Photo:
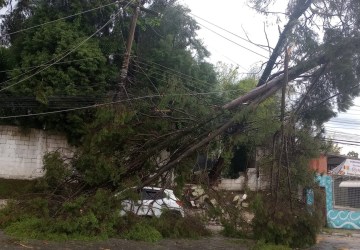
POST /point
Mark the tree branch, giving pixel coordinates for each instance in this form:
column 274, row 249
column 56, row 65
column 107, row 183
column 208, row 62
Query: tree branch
column 299, row 10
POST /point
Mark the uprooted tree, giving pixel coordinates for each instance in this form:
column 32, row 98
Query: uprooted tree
column 175, row 104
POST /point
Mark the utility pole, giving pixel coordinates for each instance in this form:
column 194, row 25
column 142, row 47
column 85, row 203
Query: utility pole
column 125, row 65
column 126, row 60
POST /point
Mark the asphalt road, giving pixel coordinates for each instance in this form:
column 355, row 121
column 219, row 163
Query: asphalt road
column 211, row 243
column 325, row 242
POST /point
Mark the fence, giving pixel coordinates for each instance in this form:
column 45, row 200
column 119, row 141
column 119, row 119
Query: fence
column 346, row 192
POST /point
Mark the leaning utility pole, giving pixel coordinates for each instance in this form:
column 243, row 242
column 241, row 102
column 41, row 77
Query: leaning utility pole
column 126, row 60
column 125, row 65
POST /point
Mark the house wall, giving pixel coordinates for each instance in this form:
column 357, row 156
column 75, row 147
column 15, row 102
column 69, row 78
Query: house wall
column 251, row 181
column 348, row 219
column 319, row 164
column 21, row 153
column 232, row 184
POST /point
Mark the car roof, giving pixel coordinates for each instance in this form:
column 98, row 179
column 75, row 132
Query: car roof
column 158, row 189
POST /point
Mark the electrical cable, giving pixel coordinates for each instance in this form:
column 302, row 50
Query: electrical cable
column 62, row 18
column 216, row 99
column 232, row 33
column 341, row 133
column 110, row 103
column 41, row 65
column 242, row 46
column 332, row 127
column 63, row 55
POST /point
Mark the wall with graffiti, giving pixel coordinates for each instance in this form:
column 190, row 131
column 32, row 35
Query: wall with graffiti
column 348, row 219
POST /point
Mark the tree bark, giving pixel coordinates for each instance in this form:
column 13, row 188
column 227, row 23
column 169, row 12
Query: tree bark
column 300, row 8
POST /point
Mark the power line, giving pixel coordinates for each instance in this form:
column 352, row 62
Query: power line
column 332, row 127
column 62, row 18
column 233, row 41
column 109, row 103
column 344, row 122
column 181, row 76
column 326, row 99
column 41, row 65
column 232, row 33
column 186, row 86
column 64, row 55
column 351, row 143
column 342, row 140
column 341, row 133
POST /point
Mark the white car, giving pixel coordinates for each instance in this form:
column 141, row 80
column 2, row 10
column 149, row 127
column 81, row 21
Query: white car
column 153, row 202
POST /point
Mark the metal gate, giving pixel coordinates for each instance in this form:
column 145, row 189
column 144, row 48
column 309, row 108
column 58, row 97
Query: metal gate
column 346, row 192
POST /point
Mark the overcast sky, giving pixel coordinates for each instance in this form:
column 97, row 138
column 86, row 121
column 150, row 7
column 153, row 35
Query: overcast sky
column 237, row 17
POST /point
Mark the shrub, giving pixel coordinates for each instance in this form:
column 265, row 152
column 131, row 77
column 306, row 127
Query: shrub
column 230, row 230
column 95, row 216
column 261, row 245
column 143, row 232
column 297, row 228
column 29, row 227
column 173, row 226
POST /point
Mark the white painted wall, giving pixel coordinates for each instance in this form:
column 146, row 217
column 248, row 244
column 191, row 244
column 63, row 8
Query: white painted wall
column 21, row 153
column 251, row 181
column 232, row 184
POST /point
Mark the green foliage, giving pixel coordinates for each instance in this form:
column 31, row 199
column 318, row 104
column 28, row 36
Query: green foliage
column 143, row 232
column 295, row 228
column 6, row 62
column 28, row 228
column 172, row 226
column 257, row 125
column 230, row 230
column 261, row 245
column 81, row 76
column 92, row 217
column 353, row 154
column 57, row 171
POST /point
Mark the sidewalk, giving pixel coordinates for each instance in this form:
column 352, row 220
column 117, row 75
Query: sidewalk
column 341, row 232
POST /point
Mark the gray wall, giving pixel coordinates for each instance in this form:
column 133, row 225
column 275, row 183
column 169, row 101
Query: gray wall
column 21, row 153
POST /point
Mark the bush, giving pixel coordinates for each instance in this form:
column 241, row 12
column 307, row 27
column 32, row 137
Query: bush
column 172, row 226
column 143, row 232
column 26, row 228
column 261, row 245
column 230, row 230
column 297, row 228
column 85, row 217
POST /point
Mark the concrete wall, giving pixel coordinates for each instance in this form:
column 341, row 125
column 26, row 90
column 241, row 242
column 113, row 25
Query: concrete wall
column 21, row 153
column 232, row 184
column 251, row 181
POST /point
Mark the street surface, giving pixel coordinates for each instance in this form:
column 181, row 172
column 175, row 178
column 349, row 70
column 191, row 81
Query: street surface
column 325, row 242
column 337, row 242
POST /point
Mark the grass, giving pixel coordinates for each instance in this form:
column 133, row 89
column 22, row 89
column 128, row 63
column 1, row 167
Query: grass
column 261, row 245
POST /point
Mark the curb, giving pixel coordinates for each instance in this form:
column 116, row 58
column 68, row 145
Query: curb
column 352, row 235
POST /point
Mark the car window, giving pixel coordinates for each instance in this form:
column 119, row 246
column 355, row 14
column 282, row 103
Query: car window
column 148, row 194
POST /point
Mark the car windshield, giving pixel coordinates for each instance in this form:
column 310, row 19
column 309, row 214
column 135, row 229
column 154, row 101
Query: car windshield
column 148, row 194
